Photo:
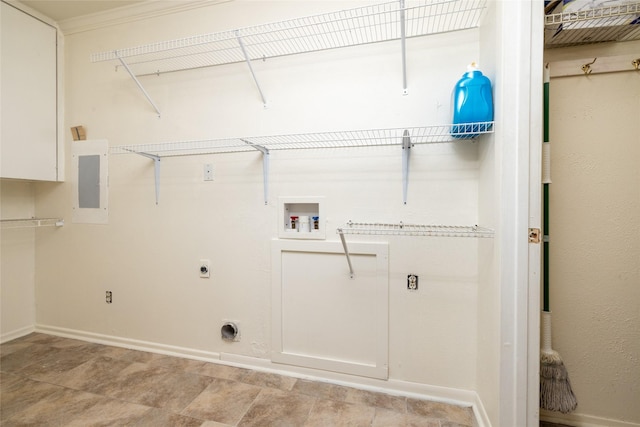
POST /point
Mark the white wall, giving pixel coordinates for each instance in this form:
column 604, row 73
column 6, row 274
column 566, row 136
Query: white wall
column 148, row 255
column 17, row 261
column 594, row 249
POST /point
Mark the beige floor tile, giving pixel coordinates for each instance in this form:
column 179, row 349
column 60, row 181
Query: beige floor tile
column 224, row 372
column 56, row 362
column 91, row 384
column 321, row 390
column 92, row 375
column 177, row 363
column 109, row 412
column 29, row 355
column 223, row 401
column 155, row 417
column 56, row 409
column 387, row 418
column 457, row 414
column 12, row 346
column 275, row 407
column 139, row 356
column 214, row 424
column 18, row 393
column 380, row 400
column 154, row 386
column 334, row 413
column 265, row 379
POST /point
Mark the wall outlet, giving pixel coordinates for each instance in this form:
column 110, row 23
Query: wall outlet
column 205, row 269
column 208, row 172
column 109, row 297
column 412, row 282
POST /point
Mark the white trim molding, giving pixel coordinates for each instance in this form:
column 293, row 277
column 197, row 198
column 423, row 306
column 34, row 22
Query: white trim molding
column 583, row 420
column 130, row 13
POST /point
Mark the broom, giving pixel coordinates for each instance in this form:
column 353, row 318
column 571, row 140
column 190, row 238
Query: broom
column 555, row 389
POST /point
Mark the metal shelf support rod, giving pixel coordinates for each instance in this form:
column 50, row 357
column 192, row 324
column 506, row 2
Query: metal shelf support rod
column 346, row 251
column 156, row 170
column 403, row 48
column 406, row 152
column 265, row 167
column 253, row 74
column 135, row 79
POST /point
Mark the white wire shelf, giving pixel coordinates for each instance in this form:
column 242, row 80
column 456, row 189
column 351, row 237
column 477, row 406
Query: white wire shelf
column 403, row 137
column 322, row 140
column 31, row 222
column 370, row 24
column 607, row 24
column 362, row 25
column 401, row 229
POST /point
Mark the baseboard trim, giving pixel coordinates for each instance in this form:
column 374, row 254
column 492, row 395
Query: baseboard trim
column 392, row 386
column 480, row 412
column 133, row 344
column 583, row 420
column 8, row 336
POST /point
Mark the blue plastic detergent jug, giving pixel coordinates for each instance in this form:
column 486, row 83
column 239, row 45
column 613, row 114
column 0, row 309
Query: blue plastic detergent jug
column 472, row 104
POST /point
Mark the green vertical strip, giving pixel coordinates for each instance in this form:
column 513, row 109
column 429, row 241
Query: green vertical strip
column 545, row 219
column 546, row 111
column 545, row 248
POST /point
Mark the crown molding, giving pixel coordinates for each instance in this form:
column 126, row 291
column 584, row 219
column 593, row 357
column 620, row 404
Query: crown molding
column 30, row 11
column 131, row 13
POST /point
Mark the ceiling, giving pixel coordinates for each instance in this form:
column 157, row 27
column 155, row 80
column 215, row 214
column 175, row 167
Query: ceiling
column 59, row 10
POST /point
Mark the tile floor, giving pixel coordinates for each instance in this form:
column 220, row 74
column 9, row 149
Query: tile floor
column 53, row 381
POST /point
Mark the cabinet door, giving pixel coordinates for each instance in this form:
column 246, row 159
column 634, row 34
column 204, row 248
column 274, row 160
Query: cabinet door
column 323, row 318
column 28, row 136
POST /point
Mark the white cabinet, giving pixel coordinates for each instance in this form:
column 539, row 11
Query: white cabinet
column 28, row 144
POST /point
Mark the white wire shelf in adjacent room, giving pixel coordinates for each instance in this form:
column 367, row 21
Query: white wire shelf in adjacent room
column 606, row 24
column 401, row 229
column 362, row 25
column 321, row 140
column 31, row 222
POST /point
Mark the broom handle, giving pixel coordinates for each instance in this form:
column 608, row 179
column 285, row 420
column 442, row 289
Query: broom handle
column 546, row 180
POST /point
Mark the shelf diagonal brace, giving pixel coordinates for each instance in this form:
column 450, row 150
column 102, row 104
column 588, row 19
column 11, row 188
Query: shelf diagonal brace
column 137, row 82
column 248, row 60
column 406, row 153
column 403, row 47
column 265, row 167
column 156, row 169
column 346, row 251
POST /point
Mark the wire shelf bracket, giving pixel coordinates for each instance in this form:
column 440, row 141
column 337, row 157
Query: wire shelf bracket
column 401, row 229
column 137, row 82
column 156, row 169
column 406, row 150
column 265, row 167
column 248, row 60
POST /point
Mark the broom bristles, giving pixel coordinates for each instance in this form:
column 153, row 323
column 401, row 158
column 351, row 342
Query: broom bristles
column 555, row 388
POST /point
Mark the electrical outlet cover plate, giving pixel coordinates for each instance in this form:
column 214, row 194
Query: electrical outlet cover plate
column 412, row 282
column 208, row 172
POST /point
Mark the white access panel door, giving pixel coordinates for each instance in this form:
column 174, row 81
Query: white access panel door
column 324, row 319
column 28, row 132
